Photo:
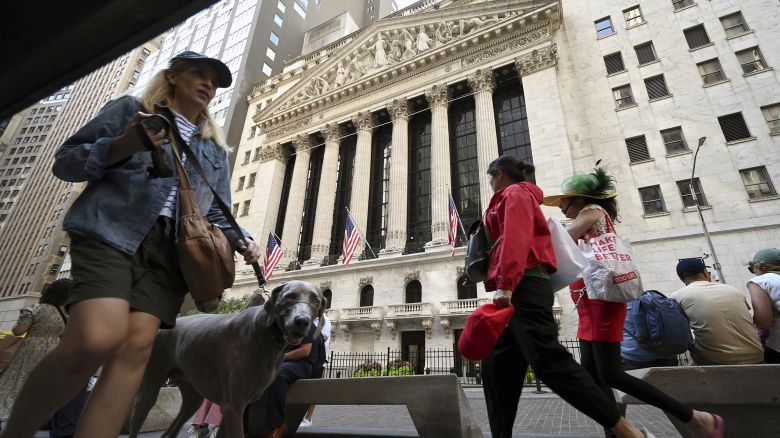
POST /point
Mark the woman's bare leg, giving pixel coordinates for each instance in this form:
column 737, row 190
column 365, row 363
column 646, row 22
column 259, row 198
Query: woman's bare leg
column 112, row 397
column 95, row 330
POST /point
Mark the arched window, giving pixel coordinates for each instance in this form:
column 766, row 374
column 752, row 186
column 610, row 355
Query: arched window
column 413, row 292
column 328, row 296
column 466, row 289
column 367, row 296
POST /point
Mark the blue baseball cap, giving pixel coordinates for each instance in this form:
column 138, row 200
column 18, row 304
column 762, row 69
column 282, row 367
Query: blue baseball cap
column 690, row 266
column 223, row 72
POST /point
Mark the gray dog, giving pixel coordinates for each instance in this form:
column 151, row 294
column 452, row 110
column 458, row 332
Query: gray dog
column 228, row 359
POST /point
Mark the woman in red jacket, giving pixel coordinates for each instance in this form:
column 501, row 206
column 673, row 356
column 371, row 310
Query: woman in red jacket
column 589, row 199
column 521, row 263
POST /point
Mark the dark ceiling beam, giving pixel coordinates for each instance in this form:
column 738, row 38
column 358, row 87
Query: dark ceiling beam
column 46, row 45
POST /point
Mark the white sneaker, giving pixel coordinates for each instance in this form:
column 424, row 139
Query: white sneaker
column 647, row 434
column 305, row 423
column 198, row 432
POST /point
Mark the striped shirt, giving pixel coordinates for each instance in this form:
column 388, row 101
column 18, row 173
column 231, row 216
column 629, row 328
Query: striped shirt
column 186, row 130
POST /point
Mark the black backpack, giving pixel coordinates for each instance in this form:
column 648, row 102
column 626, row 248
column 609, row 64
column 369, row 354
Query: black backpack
column 478, row 252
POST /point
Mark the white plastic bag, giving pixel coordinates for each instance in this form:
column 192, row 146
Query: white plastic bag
column 568, row 257
column 611, row 274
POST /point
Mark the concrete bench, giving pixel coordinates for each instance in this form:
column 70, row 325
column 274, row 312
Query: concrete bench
column 163, row 413
column 437, row 404
column 746, row 396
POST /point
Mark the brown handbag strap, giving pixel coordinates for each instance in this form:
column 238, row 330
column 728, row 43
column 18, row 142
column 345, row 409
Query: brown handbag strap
column 184, row 179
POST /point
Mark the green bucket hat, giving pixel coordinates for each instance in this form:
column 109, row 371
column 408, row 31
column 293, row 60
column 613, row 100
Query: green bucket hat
column 596, row 185
column 767, row 255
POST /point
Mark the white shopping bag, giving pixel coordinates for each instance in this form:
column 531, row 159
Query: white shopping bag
column 568, row 257
column 611, row 274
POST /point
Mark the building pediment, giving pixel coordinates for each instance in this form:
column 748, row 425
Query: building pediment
column 401, row 45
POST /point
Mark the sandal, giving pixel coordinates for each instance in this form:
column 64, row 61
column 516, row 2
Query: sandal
column 717, row 432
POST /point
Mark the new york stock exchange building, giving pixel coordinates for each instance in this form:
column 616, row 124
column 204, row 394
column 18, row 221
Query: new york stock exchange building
column 387, row 122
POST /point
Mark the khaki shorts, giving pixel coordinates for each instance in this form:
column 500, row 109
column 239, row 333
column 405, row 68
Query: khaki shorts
column 150, row 280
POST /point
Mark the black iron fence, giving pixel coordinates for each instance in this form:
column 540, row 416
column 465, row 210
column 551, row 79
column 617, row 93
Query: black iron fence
column 432, row 361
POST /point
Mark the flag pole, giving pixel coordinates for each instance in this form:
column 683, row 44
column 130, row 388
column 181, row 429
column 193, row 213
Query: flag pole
column 285, row 248
column 361, row 233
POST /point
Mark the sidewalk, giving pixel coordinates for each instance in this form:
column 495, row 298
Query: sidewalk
column 538, row 416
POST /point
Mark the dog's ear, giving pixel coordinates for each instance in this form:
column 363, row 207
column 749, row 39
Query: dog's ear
column 270, row 305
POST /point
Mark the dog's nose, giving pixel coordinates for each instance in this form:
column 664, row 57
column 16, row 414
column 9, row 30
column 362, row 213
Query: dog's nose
column 301, row 322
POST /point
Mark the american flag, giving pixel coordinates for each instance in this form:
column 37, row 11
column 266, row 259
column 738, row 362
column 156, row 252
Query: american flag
column 273, row 253
column 351, row 241
column 453, row 228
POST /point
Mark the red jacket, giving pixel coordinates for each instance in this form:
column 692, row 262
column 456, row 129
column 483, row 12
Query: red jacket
column 514, row 215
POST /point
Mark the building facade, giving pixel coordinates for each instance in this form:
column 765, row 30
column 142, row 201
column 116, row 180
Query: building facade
column 33, row 245
column 389, row 121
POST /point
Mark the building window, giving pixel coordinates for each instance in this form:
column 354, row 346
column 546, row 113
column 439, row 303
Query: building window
column 269, row 52
column 418, row 225
column 328, row 295
column 251, row 182
column 512, row 119
column 367, row 296
column 288, row 172
column 652, row 200
column 696, row 37
column 623, row 97
column 278, row 20
column 310, row 204
column 614, row 63
column 347, row 149
column 245, row 210
column 656, row 87
column 751, row 60
column 772, row 117
column 757, row 183
column 281, row 6
column 637, row 149
column 379, row 190
column 299, row 10
column 465, row 171
column 604, row 27
column 674, row 141
column 55, row 268
column 267, row 69
column 685, row 192
column 734, row 24
column 734, row 127
column 247, row 157
column 258, row 150
column 240, row 183
column 413, row 292
column 679, row 4
column 274, row 39
column 633, row 16
column 466, row 289
column 645, row 53
column 711, row 71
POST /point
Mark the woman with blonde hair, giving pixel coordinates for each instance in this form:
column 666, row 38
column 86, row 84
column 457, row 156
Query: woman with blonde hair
column 127, row 279
column 764, row 291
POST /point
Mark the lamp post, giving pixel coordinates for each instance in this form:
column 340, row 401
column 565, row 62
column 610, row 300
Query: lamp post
column 716, row 263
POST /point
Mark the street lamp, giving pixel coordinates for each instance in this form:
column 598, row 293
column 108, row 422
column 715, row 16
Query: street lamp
column 716, row 263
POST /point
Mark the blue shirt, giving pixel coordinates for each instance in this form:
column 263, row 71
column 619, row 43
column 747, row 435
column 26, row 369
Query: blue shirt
column 121, row 203
column 630, row 348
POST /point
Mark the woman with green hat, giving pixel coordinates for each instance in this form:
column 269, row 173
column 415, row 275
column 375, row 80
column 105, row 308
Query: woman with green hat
column 764, row 291
column 590, row 201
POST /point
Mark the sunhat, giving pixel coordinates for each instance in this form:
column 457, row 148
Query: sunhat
column 596, row 185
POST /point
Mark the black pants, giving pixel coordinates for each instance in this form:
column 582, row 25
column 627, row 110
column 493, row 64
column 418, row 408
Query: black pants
column 288, row 373
column 63, row 422
column 532, row 338
column 602, row 360
column 771, row 356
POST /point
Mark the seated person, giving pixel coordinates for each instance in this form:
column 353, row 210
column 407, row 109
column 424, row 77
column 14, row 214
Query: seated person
column 299, row 363
column 723, row 329
column 633, row 355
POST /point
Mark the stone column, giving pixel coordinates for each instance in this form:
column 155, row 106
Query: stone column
column 546, row 122
column 487, row 143
column 438, row 97
column 399, row 178
column 361, row 175
column 291, row 233
column 267, row 195
column 326, row 202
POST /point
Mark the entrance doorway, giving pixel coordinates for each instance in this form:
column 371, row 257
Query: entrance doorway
column 464, row 367
column 413, row 350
